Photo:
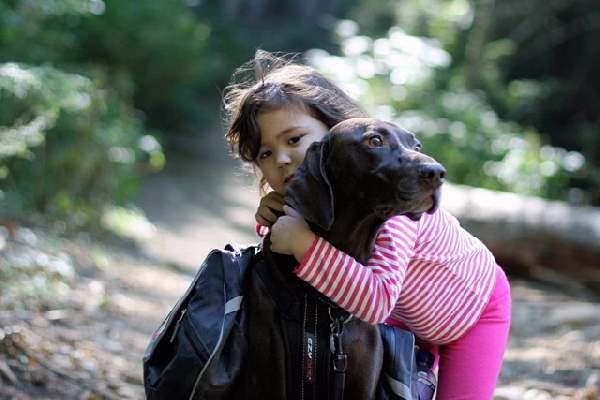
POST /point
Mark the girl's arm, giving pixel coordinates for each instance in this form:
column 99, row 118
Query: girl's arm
column 369, row 291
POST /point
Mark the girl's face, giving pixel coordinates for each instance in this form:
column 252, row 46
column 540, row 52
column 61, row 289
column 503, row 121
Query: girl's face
column 286, row 133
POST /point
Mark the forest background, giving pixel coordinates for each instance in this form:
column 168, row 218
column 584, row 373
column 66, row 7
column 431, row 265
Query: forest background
column 111, row 126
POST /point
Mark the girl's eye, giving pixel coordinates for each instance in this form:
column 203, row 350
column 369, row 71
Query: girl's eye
column 294, row 139
column 264, row 155
column 376, row 141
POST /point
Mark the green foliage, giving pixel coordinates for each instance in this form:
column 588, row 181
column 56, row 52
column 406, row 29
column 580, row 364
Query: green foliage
column 173, row 57
column 84, row 81
column 71, row 142
column 164, row 49
column 405, row 78
column 68, row 145
column 531, row 63
column 154, row 54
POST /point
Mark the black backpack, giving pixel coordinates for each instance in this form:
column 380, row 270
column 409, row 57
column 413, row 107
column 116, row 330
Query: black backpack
column 198, row 350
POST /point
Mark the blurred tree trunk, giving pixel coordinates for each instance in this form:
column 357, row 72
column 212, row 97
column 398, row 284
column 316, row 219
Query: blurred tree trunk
column 530, row 236
column 484, row 11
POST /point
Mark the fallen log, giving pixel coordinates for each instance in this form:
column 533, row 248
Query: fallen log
column 532, row 237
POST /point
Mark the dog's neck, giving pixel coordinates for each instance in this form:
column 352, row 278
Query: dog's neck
column 280, row 267
column 353, row 230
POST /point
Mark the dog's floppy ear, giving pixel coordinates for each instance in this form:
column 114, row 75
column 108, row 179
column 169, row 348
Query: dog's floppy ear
column 310, row 191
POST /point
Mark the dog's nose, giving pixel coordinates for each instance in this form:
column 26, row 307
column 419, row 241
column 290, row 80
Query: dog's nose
column 432, row 173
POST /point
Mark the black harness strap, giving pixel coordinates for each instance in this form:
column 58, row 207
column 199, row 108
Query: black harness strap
column 339, row 359
column 310, row 349
column 307, row 334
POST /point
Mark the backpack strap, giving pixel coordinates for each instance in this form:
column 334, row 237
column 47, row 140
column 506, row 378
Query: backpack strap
column 289, row 305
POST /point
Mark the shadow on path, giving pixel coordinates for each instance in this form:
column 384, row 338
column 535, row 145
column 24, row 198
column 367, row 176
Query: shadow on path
column 198, row 203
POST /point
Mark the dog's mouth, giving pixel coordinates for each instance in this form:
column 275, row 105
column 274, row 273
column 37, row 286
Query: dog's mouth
column 427, row 204
column 435, row 201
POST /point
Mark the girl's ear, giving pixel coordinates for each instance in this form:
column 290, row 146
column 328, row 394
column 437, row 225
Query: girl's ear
column 310, row 191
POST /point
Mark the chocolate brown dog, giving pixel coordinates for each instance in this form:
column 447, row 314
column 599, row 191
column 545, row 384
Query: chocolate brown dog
column 363, row 172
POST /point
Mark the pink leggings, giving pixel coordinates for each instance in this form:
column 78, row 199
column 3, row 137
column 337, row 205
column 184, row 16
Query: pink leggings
column 469, row 366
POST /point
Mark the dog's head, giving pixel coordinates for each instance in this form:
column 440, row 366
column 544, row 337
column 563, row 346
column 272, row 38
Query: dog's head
column 374, row 164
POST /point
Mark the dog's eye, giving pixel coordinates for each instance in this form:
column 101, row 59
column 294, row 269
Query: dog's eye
column 375, row 141
column 418, row 147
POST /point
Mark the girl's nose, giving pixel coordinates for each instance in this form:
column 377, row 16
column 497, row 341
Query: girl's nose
column 283, row 158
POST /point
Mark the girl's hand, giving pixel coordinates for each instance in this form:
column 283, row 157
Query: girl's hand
column 291, row 234
column 269, row 209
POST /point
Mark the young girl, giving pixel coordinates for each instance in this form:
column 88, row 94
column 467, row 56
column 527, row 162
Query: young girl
column 429, row 276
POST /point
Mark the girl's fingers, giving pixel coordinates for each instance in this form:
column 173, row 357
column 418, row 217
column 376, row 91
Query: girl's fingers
column 277, row 196
column 270, row 209
column 267, row 215
column 273, row 203
column 276, row 209
column 261, row 221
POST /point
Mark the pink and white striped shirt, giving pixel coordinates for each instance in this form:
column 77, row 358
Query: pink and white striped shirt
column 430, row 275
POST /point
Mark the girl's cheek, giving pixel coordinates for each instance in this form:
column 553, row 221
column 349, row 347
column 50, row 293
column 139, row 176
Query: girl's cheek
column 301, row 153
column 271, row 180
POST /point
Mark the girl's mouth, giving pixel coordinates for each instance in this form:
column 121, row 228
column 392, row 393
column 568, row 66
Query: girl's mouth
column 288, row 178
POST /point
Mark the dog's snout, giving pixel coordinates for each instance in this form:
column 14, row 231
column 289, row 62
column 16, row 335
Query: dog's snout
column 432, row 173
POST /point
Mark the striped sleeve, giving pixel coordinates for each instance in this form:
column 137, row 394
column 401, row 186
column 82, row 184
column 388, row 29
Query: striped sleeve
column 370, row 291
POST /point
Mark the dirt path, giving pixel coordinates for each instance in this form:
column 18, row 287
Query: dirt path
column 90, row 350
column 198, row 204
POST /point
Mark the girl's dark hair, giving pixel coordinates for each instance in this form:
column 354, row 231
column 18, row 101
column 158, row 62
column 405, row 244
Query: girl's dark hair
column 278, row 81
